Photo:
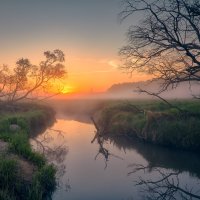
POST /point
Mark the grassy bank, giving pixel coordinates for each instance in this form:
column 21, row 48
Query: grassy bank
column 154, row 122
column 24, row 173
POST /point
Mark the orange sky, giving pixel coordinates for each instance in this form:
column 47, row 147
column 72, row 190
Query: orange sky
column 88, row 32
column 86, row 73
column 96, row 74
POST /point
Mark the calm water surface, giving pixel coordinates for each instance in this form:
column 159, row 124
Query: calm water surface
column 86, row 175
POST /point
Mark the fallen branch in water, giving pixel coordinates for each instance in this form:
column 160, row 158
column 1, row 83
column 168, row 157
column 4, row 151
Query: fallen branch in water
column 97, row 128
column 97, row 134
column 100, row 140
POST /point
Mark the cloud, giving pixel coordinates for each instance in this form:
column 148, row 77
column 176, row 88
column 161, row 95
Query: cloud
column 109, row 66
column 114, row 64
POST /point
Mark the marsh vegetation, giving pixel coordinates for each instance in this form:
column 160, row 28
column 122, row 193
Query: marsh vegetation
column 25, row 174
column 176, row 126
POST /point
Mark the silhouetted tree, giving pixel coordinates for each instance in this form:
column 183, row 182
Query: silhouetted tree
column 165, row 42
column 22, row 81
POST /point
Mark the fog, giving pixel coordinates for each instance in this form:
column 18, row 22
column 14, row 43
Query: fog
column 79, row 109
column 82, row 107
column 130, row 90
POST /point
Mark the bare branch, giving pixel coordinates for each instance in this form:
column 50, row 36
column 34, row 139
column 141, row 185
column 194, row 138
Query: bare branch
column 166, row 43
column 26, row 79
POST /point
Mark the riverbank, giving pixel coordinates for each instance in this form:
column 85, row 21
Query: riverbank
column 24, row 173
column 154, row 122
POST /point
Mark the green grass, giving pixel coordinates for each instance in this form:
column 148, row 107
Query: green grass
column 9, row 182
column 19, row 141
column 173, row 129
column 8, row 171
column 43, row 183
column 19, row 144
column 182, row 133
column 11, row 185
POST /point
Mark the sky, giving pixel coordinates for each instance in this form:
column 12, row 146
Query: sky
column 87, row 31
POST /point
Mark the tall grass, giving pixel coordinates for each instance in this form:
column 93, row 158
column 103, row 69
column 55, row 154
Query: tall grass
column 176, row 131
column 12, row 186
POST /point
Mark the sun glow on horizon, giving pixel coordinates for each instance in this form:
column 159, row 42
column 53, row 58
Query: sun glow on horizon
column 67, row 89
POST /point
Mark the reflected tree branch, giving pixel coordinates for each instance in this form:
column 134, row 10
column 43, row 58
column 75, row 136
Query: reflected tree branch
column 166, row 187
column 55, row 154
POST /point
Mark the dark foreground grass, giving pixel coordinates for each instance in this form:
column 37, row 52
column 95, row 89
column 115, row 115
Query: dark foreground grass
column 167, row 127
column 12, row 184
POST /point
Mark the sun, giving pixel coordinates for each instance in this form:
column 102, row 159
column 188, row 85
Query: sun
column 67, row 89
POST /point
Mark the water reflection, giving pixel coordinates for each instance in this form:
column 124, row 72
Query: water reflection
column 161, row 165
column 166, row 185
column 53, row 146
column 99, row 170
column 157, row 156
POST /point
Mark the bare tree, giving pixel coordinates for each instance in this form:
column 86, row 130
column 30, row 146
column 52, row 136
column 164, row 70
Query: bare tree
column 166, row 41
column 25, row 79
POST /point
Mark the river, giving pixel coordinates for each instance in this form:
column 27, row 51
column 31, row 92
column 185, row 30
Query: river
column 85, row 173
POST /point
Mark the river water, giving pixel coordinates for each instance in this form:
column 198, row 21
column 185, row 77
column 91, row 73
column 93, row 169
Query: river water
column 85, row 173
